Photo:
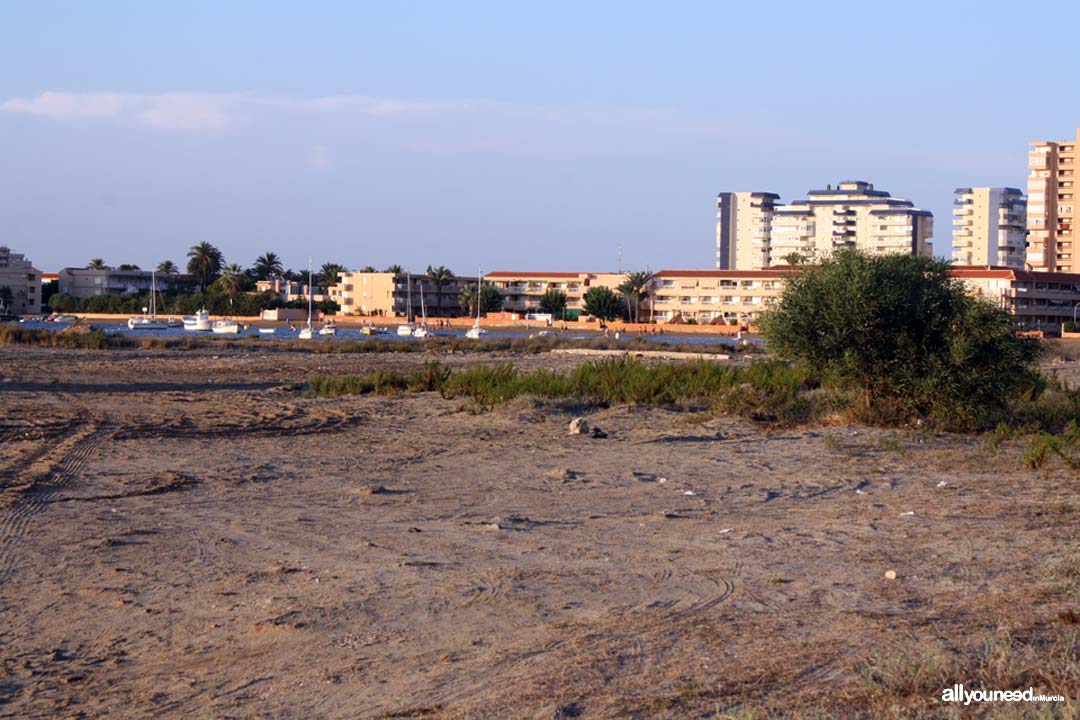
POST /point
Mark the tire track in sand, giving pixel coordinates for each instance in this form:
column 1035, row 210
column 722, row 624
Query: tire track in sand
column 18, row 515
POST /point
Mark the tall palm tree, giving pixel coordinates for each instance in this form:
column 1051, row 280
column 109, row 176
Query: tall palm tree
column 267, row 266
column 231, row 278
column 395, row 269
column 633, row 289
column 97, row 264
column 440, row 277
column 128, row 266
column 329, row 274
column 168, row 267
column 204, row 263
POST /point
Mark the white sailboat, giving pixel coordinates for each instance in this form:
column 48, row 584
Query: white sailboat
column 199, row 322
column 476, row 332
column 306, row 332
column 406, row 329
column 421, row 330
column 149, row 322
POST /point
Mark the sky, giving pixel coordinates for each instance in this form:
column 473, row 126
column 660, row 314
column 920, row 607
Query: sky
column 503, row 135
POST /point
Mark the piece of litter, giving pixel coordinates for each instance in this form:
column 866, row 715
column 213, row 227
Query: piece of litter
column 890, row 574
column 943, row 483
column 909, row 512
column 726, row 530
column 662, row 480
column 860, row 492
column 689, row 492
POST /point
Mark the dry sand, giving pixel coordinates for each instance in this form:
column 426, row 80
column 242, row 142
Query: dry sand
column 184, row 535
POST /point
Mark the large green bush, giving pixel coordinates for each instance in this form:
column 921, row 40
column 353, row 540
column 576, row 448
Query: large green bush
column 907, row 336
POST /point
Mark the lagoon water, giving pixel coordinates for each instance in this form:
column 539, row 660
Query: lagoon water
column 282, row 332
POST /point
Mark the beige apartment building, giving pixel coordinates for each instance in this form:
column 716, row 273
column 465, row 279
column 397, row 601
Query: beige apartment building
column 1036, row 300
column 1051, row 211
column 20, row 284
column 989, row 227
column 743, row 229
column 386, row 294
column 522, row 291
column 852, row 215
column 714, row 296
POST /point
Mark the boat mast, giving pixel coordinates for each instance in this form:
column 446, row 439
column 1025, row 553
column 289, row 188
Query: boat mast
column 479, row 285
column 309, row 288
column 153, row 294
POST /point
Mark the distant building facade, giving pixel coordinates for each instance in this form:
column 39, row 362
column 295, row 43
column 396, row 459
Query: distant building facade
column 522, row 291
column 714, row 296
column 87, row 282
column 744, row 229
column 990, row 227
column 755, row 231
column 387, row 294
column 21, row 281
column 1051, row 207
column 290, row 290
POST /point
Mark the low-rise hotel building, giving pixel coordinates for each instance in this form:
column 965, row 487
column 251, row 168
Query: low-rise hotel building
column 20, row 283
column 386, row 294
column 989, row 227
column 87, row 282
column 1036, row 300
column 522, row 291
column 714, row 296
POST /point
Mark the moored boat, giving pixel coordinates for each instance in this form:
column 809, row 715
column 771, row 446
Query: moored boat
column 199, row 322
column 226, row 327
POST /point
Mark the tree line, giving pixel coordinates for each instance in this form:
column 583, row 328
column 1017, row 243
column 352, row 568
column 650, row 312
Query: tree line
column 228, row 286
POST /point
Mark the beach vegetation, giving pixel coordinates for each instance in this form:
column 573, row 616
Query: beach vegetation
column 909, row 338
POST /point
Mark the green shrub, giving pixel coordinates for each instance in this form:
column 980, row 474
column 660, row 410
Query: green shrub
column 907, row 336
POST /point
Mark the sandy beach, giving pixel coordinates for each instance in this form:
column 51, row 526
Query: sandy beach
column 186, row 534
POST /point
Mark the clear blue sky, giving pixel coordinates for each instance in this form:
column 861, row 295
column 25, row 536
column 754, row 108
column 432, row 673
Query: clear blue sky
column 495, row 133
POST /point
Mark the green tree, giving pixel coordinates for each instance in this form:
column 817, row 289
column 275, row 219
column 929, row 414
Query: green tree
column 554, row 302
column 904, row 334
column 204, row 263
column 329, row 274
column 97, row 264
column 634, row 290
column 794, row 258
column 267, row 265
column 232, row 278
column 168, row 267
column 602, row 302
column 367, row 269
column 128, row 266
column 395, row 269
column 491, row 299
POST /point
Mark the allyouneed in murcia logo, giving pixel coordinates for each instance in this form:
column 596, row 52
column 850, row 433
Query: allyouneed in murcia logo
column 959, row 694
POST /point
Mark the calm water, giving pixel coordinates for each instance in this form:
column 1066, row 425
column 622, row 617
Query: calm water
column 354, row 334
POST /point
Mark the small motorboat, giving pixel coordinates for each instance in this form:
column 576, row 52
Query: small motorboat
column 199, row 322
column 547, row 333
column 406, row 330
column 475, row 332
column 420, row 332
column 146, row 323
column 328, row 329
column 226, row 327
column 267, row 331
